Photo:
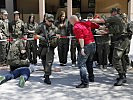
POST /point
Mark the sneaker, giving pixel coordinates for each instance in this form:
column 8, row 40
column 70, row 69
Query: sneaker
column 82, row 85
column 21, row 82
column 62, row 64
column 73, row 65
column 2, row 78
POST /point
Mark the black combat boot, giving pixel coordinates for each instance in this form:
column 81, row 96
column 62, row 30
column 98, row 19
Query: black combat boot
column 47, row 80
column 124, row 76
column 120, row 80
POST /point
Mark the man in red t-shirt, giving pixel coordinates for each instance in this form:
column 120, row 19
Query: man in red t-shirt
column 83, row 34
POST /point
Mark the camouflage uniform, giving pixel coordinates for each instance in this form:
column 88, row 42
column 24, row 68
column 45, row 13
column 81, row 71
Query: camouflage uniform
column 15, row 57
column 17, row 29
column 46, row 49
column 4, row 35
column 121, row 42
column 31, row 46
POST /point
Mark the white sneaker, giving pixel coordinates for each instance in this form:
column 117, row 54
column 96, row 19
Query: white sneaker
column 73, row 65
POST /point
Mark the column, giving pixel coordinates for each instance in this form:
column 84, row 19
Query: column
column 9, row 8
column 130, row 10
column 41, row 9
column 69, row 8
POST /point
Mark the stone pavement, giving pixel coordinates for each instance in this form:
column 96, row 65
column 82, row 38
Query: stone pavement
column 63, row 86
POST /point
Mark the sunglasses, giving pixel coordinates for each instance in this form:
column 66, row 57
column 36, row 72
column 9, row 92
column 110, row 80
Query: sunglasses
column 50, row 21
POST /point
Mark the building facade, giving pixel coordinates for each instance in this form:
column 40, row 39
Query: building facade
column 39, row 7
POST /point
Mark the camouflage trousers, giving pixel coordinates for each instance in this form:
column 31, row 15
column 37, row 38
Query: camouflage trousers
column 3, row 52
column 47, row 57
column 120, row 55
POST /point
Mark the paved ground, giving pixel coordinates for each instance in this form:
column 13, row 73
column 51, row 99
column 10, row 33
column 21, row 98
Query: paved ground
column 63, row 86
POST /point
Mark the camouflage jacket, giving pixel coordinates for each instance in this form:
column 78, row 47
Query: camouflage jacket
column 46, row 33
column 4, row 29
column 15, row 57
column 16, row 29
column 116, row 26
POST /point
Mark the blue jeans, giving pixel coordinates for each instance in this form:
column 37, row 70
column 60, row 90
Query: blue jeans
column 89, row 51
column 23, row 71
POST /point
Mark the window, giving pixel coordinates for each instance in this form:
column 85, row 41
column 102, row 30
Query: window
column 62, row 3
column 2, row 4
column 91, row 5
column 75, row 3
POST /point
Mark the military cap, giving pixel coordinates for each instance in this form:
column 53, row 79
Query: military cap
column 5, row 13
column 16, row 12
column 3, row 10
column 50, row 17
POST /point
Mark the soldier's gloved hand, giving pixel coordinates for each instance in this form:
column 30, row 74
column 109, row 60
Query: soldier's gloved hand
column 23, row 51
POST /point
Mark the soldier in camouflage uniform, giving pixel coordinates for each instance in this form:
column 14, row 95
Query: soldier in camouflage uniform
column 118, row 27
column 47, row 32
column 17, row 55
column 31, row 45
column 16, row 29
column 121, row 44
column 4, row 34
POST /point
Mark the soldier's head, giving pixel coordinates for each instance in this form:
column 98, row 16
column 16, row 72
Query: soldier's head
column 78, row 15
column 114, row 11
column 16, row 15
column 73, row 19
column 31, row 18
column 90, row 16
column 4, row 14
column 49, row 19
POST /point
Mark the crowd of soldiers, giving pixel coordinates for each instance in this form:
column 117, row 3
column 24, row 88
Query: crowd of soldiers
column 112, row 43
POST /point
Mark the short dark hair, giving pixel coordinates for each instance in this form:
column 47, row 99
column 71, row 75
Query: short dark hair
column 90, row 15
column 78, row 15
column 118, row 10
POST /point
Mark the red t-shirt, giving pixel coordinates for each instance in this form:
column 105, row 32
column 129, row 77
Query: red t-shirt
column 82, row 30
